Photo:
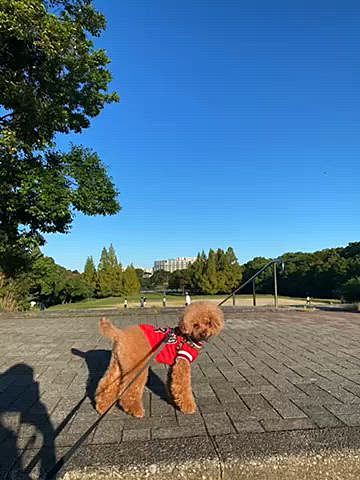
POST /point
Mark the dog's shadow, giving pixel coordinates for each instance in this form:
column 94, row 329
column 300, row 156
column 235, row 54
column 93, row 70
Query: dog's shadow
column 97, row 362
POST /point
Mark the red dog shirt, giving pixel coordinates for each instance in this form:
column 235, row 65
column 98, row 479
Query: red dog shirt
column 175, row 346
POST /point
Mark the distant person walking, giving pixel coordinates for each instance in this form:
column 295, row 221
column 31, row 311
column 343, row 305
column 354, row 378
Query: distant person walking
column 164, row 301
column 187, row 299
column 142, row 302
column 125, row 303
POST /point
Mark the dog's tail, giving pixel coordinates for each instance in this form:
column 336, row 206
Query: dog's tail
column 107, row 329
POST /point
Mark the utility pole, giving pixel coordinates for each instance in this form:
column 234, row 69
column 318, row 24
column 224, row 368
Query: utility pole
column 254, row 293
column 275, row 287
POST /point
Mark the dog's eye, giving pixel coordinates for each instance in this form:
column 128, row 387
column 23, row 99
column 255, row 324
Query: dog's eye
column 196, row 325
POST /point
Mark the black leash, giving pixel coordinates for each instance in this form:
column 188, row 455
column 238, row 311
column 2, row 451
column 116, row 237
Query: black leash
column 58, row 430
column 63, row 460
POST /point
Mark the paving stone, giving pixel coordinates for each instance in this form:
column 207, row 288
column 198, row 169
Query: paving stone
column 190, row 431
column 255, row 402
column 140, row 434
column 189, row 420
column 218, row 423
column 352, row 420
column 268, row 371
column 315, row 410
column 326, row 420
column 288, row 424
column 345, row 409
column 250, row 426
column 161, row 408
column 284, row 407
column 108, row 432
column 131, row 423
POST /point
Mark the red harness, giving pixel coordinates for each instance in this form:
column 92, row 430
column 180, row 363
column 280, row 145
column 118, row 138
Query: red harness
column 175, row 347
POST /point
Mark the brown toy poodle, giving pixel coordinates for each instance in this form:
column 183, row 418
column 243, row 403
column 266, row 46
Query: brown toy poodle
column 133, row 347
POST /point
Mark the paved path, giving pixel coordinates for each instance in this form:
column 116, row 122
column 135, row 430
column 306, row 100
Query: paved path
column 288, row 379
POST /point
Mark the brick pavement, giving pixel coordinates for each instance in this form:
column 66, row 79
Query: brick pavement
column 268, row 372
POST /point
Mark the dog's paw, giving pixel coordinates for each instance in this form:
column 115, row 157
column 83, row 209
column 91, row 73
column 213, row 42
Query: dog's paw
column 135, row 411
column 101, row 406
column 188, row 407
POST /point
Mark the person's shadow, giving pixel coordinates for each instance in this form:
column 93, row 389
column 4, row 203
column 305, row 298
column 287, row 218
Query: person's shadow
column 97, row 362
column 20, row 406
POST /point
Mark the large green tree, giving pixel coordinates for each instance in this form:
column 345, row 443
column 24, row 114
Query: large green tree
column 109, row 273
column 197, row 272
column 159, row 280
column 90, row 274
column 49, row 283
column 52, row 80
column 130, row 281
column 180, row 280
column 210, row 282
column 104, row 275
column 229, row 272
column 351, row 290
column 116, row 272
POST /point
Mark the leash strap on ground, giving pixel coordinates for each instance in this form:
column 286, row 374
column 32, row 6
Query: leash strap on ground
column 58, row 430
column 62, row 461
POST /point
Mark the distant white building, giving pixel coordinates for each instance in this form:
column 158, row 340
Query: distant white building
column 172, row 264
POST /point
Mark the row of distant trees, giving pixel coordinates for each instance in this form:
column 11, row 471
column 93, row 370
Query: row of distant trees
column 329, row 273
column 109, row 278
column 48, row 283
column 217, row 272
column 44, row 282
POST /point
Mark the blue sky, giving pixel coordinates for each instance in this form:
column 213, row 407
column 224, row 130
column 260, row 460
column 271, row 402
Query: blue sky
column 239, row 125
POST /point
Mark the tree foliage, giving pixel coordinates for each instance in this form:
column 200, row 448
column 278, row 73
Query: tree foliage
column 219, row 272
column 47, row 284
column 180, row 280
column 111, row 279
column 51, row 284
column 109, row 274
column 52, row 80
column 320, row 274
column 130, row 281
column 351, row 290
column 159, row 280
column 90, row 274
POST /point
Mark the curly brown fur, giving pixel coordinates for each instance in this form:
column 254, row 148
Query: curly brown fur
column 131, row 351
column 200, row 321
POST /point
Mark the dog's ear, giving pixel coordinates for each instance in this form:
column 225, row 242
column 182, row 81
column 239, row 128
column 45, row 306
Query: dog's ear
column 183, row 323
column 217, row 317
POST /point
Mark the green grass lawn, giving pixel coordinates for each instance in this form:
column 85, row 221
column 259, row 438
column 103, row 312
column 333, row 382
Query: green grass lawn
column 155, row 300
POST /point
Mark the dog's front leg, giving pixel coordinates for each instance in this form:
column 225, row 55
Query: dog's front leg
column 180, row 386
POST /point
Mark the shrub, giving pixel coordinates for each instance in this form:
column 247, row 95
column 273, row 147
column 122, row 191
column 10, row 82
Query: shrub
column 11, row 299
column 351, row 290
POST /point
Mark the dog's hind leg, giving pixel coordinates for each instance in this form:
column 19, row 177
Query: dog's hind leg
column 131, row 399
column 180, row 386
column 108, row 388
